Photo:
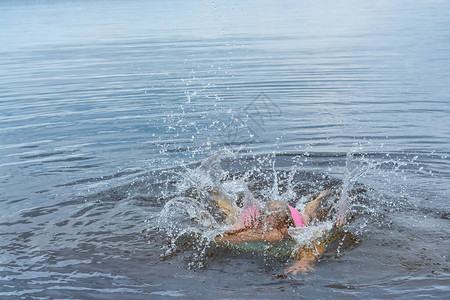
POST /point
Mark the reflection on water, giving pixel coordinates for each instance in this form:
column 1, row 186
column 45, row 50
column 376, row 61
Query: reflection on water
column 105, row 104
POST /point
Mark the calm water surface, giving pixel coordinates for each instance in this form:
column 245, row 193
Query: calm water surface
column 103, row 102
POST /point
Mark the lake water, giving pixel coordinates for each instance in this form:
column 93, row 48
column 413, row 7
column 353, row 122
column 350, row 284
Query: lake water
column 104, row 104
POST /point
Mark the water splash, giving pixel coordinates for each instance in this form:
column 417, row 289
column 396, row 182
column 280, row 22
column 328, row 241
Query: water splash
column 357, row 165
column 350, row 176
column 191, row 220
column 193, row 215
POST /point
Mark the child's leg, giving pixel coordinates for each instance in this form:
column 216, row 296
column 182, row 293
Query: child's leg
column 224, row 204
column 311, row 207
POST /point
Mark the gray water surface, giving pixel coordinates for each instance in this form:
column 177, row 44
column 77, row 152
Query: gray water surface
column 103, row 102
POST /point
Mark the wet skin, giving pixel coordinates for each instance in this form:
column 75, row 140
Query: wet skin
column 278, row 231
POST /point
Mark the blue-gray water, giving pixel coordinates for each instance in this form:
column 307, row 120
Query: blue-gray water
column 102, row 102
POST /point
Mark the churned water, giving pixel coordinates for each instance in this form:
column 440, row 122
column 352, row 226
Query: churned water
column 107, row 108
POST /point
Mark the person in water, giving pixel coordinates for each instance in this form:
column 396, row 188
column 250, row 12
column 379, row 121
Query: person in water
column 271, row 223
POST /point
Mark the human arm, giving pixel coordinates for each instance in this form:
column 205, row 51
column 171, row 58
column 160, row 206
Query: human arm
column 251, row 235
column 305, row 257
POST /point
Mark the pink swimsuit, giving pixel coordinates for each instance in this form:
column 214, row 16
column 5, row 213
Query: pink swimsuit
column 296, row 216
column 250, row 214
